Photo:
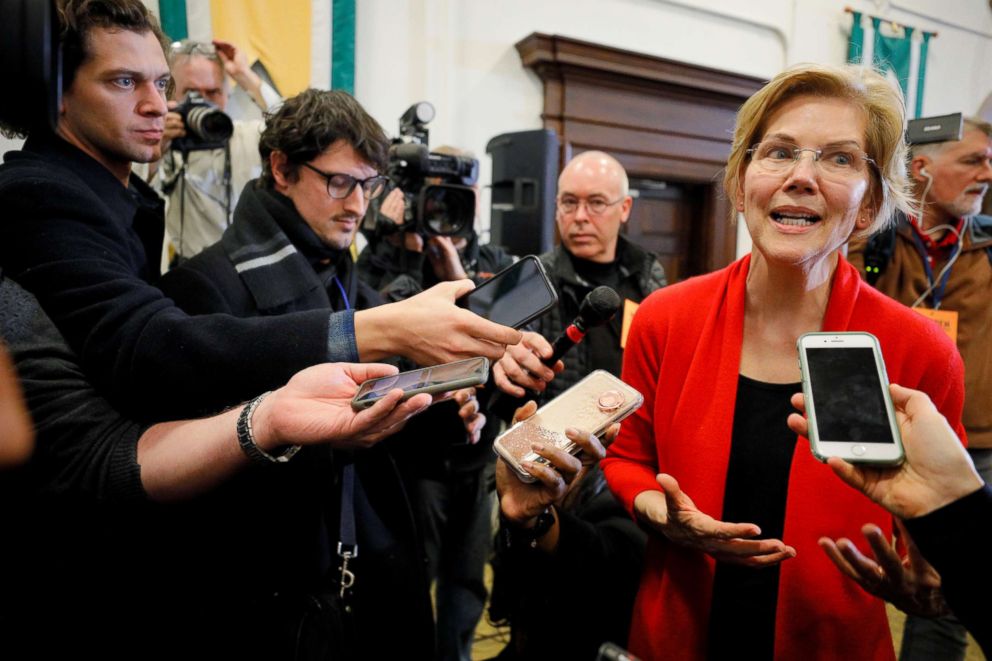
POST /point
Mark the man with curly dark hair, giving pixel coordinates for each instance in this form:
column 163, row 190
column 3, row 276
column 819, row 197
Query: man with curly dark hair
column 287, row 251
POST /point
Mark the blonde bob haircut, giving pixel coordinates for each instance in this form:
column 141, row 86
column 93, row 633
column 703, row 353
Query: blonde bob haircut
column 864, row 87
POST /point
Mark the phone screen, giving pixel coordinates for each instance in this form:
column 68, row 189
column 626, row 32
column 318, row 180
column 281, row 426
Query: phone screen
column 514, row 296
column 847, row 395
column 422, row 378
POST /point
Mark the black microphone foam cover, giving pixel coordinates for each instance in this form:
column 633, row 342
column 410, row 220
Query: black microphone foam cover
column 598, row 307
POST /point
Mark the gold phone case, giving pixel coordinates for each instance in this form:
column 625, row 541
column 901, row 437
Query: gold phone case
column 592, row 404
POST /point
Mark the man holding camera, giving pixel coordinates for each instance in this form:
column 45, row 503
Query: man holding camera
column 941, row 265
column 207, row 157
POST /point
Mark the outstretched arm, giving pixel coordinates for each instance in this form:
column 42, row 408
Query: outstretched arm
column 430, row 329
column 180, row 460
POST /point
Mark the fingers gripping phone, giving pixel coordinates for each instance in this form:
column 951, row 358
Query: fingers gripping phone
column 514, row 296
column 848, row 407
column 439, row 378
column 593, row 405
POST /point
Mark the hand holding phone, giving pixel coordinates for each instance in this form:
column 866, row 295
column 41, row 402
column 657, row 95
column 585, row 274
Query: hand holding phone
column 514, row 296
column 520, row 502
column 437, row 379
column 846, row 393
column 592, row 405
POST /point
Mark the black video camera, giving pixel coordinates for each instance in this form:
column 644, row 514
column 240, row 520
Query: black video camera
column 440, row 198
column 207, row 126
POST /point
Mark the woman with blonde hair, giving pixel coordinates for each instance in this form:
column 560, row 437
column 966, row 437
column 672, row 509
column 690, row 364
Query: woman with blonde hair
column 735, row 502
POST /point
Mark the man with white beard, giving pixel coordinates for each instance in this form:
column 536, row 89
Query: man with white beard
column 941, row 265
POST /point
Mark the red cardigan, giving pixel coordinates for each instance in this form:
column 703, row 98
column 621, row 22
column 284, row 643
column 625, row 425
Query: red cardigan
column 683, row 354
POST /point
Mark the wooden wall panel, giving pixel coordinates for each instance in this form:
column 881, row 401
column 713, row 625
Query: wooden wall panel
column 666, row 121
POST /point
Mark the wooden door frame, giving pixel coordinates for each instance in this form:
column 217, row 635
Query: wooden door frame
column 689, row 142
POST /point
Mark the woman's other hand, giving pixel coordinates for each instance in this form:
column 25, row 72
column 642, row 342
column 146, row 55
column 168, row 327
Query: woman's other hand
column 672, row 513
column 909, row 583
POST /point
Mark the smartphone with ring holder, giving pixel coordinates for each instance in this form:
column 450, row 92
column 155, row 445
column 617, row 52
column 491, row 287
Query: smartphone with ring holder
column 592, row 405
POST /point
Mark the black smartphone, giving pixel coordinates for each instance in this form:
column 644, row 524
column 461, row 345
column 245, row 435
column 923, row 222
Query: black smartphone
column 516, row 295
column 439, row 378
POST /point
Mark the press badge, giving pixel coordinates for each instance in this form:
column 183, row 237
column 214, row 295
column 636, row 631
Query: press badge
column 629, row 308
column 946, row 319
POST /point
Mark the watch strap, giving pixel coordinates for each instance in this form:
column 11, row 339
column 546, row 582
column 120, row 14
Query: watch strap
column 515, row 536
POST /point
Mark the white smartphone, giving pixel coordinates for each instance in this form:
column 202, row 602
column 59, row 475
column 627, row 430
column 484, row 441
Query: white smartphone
column 592, row 405
column 439, row 378
column 848, row 407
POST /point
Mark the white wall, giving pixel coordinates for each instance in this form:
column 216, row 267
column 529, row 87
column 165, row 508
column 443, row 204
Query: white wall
column 459, row 54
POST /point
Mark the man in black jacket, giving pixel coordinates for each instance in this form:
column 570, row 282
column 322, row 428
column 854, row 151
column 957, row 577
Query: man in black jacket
column 593, row 204
column 287, row 251
column 84, row 235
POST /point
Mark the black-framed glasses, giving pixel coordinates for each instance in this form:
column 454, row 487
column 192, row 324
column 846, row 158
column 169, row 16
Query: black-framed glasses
column 340, row 185
column 595, row 206
column 842, row 160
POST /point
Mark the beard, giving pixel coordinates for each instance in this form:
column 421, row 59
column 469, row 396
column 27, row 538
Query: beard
column 966, row 203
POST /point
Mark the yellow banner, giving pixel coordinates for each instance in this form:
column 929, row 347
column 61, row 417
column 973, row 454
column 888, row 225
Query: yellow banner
column 277, row 33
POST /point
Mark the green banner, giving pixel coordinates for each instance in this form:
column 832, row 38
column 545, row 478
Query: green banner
column 173, row 16
column 343, row 46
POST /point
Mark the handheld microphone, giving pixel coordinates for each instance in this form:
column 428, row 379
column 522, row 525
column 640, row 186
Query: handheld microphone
column 597, row 308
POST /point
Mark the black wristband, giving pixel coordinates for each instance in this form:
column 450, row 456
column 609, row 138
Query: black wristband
column 514, row 536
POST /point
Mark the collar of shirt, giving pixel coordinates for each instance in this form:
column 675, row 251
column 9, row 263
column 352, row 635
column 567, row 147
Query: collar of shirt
column 124, row 202
column 936, row 247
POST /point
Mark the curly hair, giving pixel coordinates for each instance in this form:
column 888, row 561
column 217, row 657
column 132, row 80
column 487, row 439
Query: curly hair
column 310, row 122
column 882, row 104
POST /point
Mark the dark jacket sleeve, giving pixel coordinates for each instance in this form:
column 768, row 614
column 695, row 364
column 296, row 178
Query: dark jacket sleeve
column 149, row 357
column 955, row 540
column 83, row 446
column 591, row 578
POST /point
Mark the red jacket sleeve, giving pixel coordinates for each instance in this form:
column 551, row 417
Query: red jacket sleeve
column 632, row 460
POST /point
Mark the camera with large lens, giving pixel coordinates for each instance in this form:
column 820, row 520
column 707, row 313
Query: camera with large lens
column 207, row 126
column 440, row 198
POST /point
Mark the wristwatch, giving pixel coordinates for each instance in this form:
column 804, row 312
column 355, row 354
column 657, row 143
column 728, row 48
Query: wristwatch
column 514, row 536
column 246, row 439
